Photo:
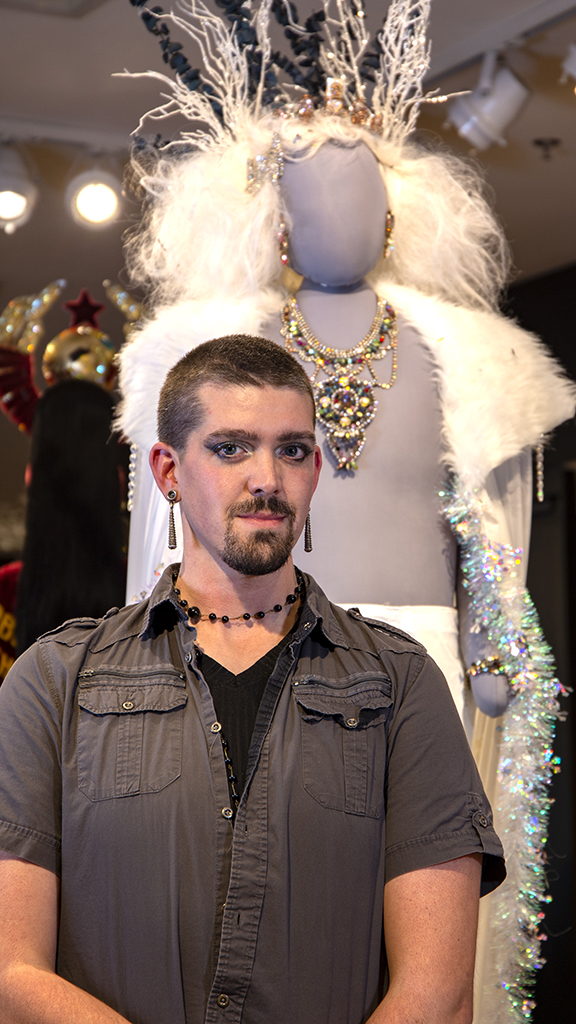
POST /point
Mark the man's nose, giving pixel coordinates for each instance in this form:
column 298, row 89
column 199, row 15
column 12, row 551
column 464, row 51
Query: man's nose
column 264, row 476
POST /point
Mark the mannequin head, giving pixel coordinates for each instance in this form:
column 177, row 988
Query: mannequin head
column 204, row 236
column 336, row 208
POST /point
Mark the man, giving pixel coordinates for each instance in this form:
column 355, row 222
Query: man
column 206, row 799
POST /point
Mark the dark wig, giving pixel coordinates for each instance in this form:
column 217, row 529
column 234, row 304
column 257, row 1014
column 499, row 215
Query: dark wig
column 73, row 559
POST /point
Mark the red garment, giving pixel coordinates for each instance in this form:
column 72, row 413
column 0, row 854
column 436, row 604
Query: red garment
column 9, row 575
column 18, row 395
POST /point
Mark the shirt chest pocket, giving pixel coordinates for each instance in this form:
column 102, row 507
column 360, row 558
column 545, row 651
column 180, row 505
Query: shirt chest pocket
column 130, row 728
column 344, row 740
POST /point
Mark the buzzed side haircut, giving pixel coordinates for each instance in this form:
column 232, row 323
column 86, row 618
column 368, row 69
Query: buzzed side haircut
column 237, row 360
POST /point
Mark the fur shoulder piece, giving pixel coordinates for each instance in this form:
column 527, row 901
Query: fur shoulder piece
column 500, row 387
column 156, row 348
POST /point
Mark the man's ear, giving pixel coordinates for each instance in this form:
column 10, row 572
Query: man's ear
column 317, row 465
column 164, row 463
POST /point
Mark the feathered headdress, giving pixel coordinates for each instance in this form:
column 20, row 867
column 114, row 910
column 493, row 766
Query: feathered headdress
column 332, row 68
column 250, row 106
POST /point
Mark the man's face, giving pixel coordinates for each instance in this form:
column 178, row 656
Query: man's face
column 247, row 477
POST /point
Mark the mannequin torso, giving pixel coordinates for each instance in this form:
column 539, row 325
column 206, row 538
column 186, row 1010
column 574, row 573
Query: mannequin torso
column 377, row 533
column 389, row 506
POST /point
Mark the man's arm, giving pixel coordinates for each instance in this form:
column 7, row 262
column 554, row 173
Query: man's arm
column 430, row 922
column 30, row 991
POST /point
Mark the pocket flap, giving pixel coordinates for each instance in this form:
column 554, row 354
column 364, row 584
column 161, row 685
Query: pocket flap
column 353, row 703
column 128, row 698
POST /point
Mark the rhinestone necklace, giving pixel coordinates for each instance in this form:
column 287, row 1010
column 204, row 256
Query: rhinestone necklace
column 345, row 405
column 195, row 615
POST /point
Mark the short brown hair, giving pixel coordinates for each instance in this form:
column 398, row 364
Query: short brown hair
column 237, row 360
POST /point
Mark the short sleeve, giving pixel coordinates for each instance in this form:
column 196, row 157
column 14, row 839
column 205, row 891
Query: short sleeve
column 30, row 763
column 436, row 808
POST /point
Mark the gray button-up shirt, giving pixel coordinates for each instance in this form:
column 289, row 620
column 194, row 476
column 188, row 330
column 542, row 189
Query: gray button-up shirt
column 112, row 775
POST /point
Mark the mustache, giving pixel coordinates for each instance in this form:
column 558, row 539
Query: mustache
column 272, row 504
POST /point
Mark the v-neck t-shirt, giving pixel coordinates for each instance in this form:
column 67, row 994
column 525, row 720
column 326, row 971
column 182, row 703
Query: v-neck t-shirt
column 236, row 701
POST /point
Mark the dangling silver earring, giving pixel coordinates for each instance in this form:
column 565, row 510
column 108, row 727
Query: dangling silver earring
column 172, row 498
column 308, row 534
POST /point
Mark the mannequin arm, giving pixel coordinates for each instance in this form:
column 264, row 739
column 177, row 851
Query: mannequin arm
column 491, row 689
column 507, row 503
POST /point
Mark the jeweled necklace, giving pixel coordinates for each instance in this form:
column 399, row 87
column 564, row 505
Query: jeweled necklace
column 195, row 615
column 344, row 405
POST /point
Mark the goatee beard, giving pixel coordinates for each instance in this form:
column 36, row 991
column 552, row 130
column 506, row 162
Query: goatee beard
column 265, row 551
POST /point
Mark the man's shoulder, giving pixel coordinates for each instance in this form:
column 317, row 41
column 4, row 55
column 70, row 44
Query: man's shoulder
column 349, row 627
column 115, row 625
column 378, row 633
column 386, row 634
column 133, row 621
column 347, row 643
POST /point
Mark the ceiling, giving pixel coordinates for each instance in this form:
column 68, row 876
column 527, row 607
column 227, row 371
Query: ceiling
column 57, row 84
column 534, row 196
column 69, row 8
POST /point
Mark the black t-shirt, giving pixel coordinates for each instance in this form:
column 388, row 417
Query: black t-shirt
column 236, row 702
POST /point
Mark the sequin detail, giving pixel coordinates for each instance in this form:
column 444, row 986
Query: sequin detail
column 503, row 607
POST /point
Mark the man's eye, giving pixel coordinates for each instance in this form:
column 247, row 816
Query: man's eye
column 296, row 452
column 228, row 449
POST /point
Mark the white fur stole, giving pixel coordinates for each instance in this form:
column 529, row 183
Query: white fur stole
column 500, row 388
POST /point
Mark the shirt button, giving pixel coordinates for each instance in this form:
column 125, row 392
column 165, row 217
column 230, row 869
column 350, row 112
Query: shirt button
column 482, row 820
column 227, row 812
column 351, row 723
column 307, row 625
column 128, row 705
column 223, row 1000
column 215, row 727
column 188, row 658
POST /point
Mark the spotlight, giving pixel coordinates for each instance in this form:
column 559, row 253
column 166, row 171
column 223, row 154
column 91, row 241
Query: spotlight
column 18, row 194
column 482, row 116
column 94, row 198
column 569, row 64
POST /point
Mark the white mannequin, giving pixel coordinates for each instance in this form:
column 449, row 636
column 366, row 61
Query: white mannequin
column 378, row 533
column 379, row 538
column 473, row 395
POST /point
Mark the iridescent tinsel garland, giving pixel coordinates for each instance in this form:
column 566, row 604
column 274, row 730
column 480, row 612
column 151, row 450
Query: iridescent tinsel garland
column 503, row 607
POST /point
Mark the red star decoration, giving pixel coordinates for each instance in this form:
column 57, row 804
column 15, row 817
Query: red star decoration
column 83, row 310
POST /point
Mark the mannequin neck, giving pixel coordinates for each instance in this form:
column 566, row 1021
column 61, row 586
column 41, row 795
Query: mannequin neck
column 338, row 315
column 308, row 285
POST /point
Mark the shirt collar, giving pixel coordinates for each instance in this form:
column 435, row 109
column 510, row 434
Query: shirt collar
column 317, row 609
column 317, row 613
column 160, row 601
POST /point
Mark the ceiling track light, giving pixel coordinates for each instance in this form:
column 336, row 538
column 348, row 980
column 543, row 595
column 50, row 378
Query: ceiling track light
column 547, row 146
column 93, row 198
column 482, row 116
column 18, row 194
column 569, row 64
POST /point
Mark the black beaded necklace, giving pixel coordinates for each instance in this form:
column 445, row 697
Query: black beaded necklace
column 195, row 615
